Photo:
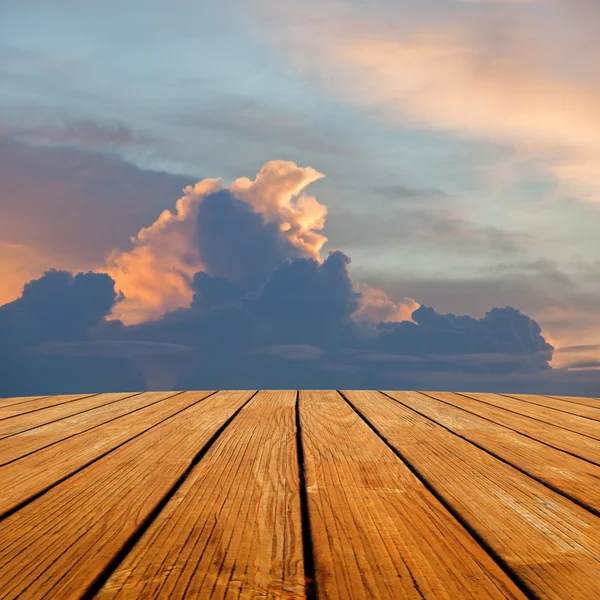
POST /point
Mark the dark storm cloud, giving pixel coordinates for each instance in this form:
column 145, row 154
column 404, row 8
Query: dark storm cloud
column 501, row 332
column 297, row 331
column 260, row 317
column 237, row 243
column 59, row 307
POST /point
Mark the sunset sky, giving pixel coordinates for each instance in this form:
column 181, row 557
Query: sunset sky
column 449, row 148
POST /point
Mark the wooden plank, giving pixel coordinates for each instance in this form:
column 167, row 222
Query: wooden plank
column 19, row 400
column 39, row 403
column 573, row 443
column 558, row 404
column 24, row 443
column 576, row 478
column 547, row 415
column 57, row 545
column 377, row 531
column 593, row 402
column 552, row 544
column 233, row 529
column 46, row 467
column 51, row 414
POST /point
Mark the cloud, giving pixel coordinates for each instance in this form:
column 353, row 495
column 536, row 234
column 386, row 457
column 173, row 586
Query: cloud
column 435, row 230
column 239, row 297
column 497, row 73
column 504, row 339
column 56, row 312
column 70, row 207
column 582, row 348
column 307, row 301
column 292, row 352
column 75, row 133
column 377, row 306
column 242, row 232
column 59, row 307
column 109, row 349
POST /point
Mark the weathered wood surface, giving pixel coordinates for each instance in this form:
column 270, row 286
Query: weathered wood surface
column 34, row 404
column 378, row 532
column 571, row 476
column 552, row 435
column 375, row 495
column 569, row 422
column 581, row 409
column 233, row 536
column 550, row 543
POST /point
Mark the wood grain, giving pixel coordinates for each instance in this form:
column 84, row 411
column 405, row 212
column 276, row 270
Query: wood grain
column 19, row 400
column 51, row 464
column 573, row 443
column 573, row 408
column 574, row 477
column 9, row 411
column 235, row 536
column 28, row 421
column 21, row 444
column 198, row 495
column 551, row 544
column 593, row 402
column 57, row 545
column 564, row 420
column 378, row 532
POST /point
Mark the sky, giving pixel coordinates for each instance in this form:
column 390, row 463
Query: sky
column 301, row 194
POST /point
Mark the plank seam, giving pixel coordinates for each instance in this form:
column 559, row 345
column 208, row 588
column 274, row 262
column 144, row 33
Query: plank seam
column 551, row 487
column 28, row 412
column 81, row 412
column 310, row 587
column 573, row 400
column 566, row 412
column 514, row 412
column 89, row 429
column 511, row 428
column 502, row 564
column 37, row 495
column 114, row 563
column 22, row 401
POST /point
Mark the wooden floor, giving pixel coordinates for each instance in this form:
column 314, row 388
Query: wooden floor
column 311, row 494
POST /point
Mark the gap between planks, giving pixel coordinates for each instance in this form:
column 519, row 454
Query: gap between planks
column 550, row 543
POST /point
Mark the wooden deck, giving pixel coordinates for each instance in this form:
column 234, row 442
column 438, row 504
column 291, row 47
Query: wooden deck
column 311, row 494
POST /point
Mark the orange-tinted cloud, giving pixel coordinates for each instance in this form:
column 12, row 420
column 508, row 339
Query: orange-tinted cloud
column 155, row 275
column 488, row 76
column 67, row 208
column 377, row 305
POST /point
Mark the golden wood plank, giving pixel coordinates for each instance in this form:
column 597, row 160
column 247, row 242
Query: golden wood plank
column 547, row 415
column 233, row 528
column 57, row 545
column 51, row 464
column 4, row 402
column 576, row 478
column 38, row 403
column 377, row 531
column 573, row 408
column 25, row 422
column 573, row 443
column 26, row 442
column 552, row 544
column 593, row 402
